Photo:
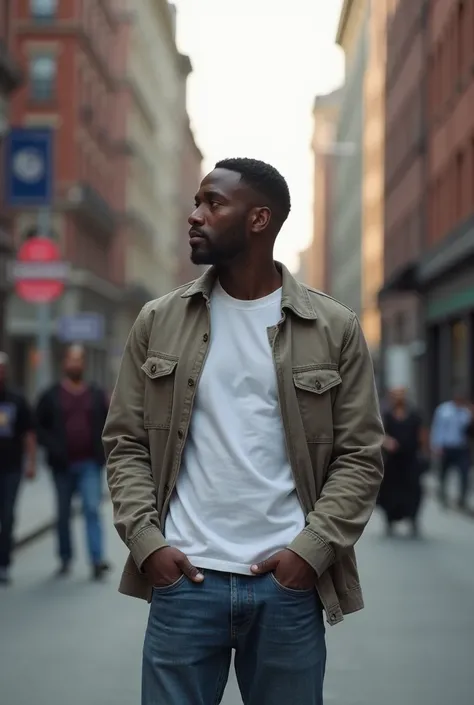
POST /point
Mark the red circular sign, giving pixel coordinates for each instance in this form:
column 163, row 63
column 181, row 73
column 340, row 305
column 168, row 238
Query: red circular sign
column 39, row 271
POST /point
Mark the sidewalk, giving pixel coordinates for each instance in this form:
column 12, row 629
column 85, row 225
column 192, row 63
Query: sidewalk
column 35, row 513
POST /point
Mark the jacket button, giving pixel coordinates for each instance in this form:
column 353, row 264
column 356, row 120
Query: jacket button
column 190, row 382
column 333, row 617
column 205, row 337
column 153, row 369
column 180, row 434
column 317, row 384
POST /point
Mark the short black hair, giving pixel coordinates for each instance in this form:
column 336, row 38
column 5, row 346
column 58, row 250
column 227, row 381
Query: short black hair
column 264, row 178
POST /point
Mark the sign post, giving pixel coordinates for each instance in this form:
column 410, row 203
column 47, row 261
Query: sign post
column 29, row 182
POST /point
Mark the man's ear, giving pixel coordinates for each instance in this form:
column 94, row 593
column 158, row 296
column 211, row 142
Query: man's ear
column 260, row 218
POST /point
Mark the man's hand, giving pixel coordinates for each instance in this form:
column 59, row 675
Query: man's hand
column 30, row 470
column 289, row 570
column 165, row 566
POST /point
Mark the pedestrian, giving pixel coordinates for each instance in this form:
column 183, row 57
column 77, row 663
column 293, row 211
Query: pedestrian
column 401, row 491
column 70, row 417
column 244, row 459
column 17, row 459
column 450, row 443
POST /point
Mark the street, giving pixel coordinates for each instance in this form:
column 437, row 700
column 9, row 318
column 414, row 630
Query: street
column 75, row 642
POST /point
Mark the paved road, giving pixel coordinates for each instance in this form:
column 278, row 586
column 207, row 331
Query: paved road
column 75, row 642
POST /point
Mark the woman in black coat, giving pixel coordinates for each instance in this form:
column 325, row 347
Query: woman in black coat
column 401, row 491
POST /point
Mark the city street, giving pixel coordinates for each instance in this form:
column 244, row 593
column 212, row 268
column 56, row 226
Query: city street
column 74, row 642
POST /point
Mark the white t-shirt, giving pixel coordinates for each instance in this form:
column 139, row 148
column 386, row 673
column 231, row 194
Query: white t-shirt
column 235, row 501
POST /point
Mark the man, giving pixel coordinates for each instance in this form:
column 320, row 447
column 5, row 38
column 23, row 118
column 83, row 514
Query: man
column 17, row 457
column 450, row 443
column 244, row 459
column 71, row 418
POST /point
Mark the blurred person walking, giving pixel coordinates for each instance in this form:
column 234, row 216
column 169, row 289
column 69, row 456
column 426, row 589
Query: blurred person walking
column 70, row 417
column 404, row 462
column 244, row 459
column 450, row 443
column 17, row 459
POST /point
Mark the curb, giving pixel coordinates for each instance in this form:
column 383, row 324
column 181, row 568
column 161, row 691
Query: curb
column 39, row 532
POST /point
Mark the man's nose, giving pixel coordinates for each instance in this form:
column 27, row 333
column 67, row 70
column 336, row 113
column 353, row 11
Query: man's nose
column 196, row 218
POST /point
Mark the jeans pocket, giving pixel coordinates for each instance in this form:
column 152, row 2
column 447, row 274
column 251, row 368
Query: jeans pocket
column 291, row 591
column 168, row 588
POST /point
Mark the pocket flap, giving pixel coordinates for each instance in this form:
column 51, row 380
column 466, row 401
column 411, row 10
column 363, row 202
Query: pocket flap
column 317, row 381
column 155, row 367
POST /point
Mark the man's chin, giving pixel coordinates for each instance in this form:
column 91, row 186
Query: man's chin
column 199, row 257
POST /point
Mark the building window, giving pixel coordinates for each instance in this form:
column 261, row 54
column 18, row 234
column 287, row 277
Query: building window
column 43, row 9
column 460, row 40
column 460, row 355
column 43, row 78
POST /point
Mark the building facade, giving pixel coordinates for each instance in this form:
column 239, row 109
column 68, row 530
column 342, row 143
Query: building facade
column 446, row 270
column 403, row 361
column 346, row 218
column 373, row 184
column 10, row 79
column 69, row 53
column 156, row 132
column 191, row 175
column 317, row 255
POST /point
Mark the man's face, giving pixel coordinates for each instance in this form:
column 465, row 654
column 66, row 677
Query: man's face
column 219, row 223
column 74, row 364
column 398, row 396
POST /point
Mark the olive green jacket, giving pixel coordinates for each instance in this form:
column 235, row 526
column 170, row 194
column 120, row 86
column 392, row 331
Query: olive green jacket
column 329, row 406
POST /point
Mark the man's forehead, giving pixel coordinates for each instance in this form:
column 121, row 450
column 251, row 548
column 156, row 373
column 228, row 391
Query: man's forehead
column 224, row 180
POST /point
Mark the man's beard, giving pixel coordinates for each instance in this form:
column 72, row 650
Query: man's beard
column 230, row 245
column 75, row 375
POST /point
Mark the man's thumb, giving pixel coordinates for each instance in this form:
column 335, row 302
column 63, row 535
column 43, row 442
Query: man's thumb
column 266, row 566
column 190, row 571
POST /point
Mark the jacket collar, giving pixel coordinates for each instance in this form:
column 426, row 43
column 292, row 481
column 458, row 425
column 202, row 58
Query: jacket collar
column 295, row 296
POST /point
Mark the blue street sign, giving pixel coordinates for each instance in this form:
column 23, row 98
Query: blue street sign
column 81, row 328
column 29, row 167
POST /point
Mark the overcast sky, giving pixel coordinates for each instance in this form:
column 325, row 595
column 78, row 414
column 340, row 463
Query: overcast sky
column 257, row 66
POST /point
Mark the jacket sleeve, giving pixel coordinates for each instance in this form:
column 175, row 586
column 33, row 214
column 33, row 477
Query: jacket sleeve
column 127, row 451
column 354, row 475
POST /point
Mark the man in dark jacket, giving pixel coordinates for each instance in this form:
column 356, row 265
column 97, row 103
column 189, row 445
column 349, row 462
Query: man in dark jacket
column 70, row 419
column 17, row 457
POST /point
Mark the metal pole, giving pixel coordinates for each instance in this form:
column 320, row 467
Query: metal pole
column 44, row 376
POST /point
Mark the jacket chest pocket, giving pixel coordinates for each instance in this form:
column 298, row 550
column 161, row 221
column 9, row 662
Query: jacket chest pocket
column 313, row 391
column 159, row 391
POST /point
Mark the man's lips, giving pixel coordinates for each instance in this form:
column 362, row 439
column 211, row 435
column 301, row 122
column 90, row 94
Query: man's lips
column 195, row 237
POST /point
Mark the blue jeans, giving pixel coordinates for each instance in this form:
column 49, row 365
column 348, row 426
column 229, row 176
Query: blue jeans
column 459, row 458
column 86, row 478
column 9, row 486
column 278, row 635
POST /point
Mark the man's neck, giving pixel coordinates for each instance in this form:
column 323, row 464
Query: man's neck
column 75, row 387
column 250, row 281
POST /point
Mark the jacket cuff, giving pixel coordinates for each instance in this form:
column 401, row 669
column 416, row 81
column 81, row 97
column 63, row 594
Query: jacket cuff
column 145, row 543
column 312, row 549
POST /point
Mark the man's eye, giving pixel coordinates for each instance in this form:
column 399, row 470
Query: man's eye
column 214, row 205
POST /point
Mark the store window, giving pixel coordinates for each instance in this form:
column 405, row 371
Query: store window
column 43, row 9
column 460, row 355
column 43, row 78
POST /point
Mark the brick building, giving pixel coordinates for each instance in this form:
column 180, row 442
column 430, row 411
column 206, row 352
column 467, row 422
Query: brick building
column 446, row 271
column 190, row 179
column 70, row 54
column 10, row 78
column 405, row 195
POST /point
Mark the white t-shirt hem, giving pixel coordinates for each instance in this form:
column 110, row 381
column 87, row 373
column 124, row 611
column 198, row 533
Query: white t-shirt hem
column 220, row 566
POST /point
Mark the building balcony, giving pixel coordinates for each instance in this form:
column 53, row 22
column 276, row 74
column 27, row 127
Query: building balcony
column 89, row 206
column 10, row 74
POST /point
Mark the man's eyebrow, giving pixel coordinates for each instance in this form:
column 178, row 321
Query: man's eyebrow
column 211, row 193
